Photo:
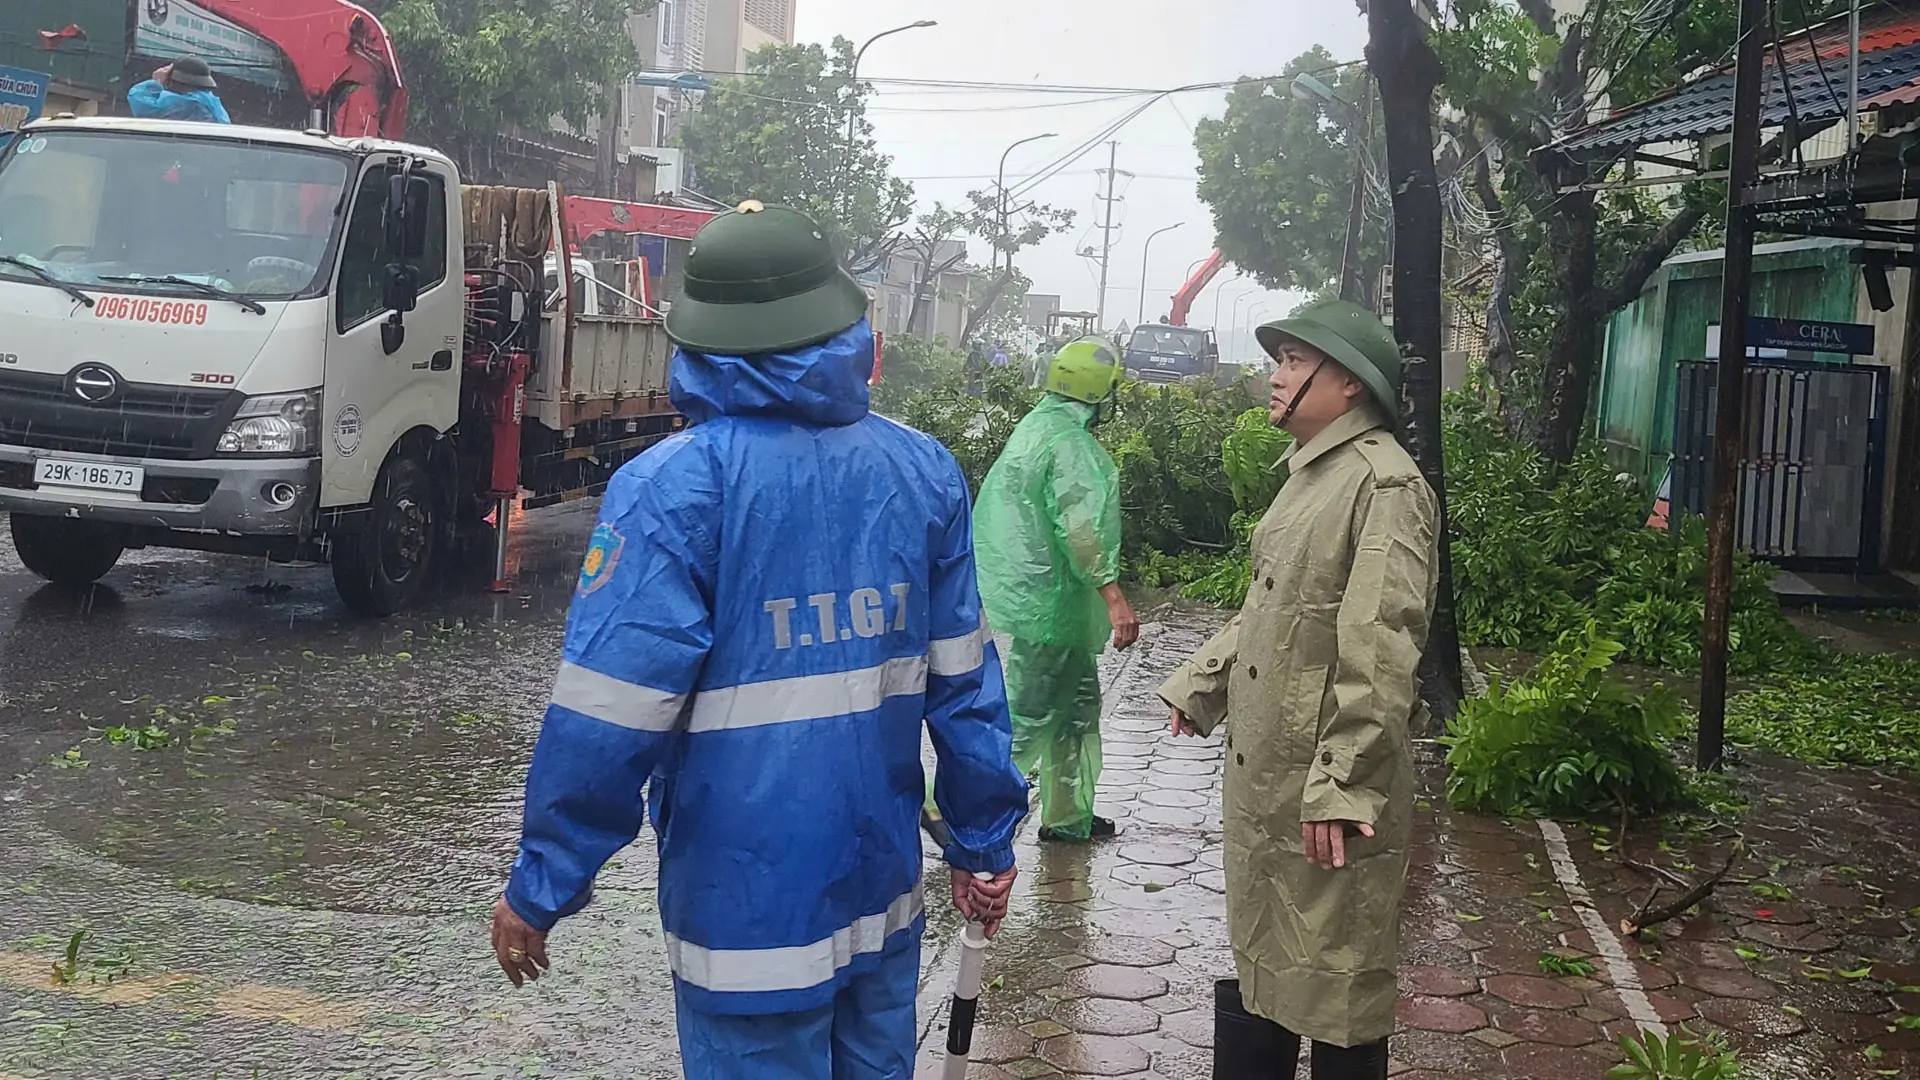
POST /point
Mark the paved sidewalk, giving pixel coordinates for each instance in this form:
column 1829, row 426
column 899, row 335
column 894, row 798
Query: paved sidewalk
column 1106, row 966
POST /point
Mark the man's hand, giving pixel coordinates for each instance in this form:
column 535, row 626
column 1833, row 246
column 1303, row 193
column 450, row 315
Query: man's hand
column 1182, row 724
column 983, row 901
column 162, row 74
column 521, row 950
column 1326, row 841
column 1126, row 625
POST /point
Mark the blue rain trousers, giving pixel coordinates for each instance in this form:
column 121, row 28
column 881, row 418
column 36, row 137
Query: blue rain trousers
column 867, row 1032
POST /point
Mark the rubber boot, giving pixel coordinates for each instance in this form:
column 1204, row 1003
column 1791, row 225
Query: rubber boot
column 1368, row 1062
column 1249, row 1047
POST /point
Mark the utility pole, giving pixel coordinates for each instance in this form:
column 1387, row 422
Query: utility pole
column 1743, row 166
column 1106, row 231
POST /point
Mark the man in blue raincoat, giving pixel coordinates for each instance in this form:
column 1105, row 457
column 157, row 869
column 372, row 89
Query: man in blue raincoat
column 775, row 603
column 183, row 90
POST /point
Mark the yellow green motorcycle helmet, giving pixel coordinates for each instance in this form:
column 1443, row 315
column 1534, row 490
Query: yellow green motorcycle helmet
column 1086, row 369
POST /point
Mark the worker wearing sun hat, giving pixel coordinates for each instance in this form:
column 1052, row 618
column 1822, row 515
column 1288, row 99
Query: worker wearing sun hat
column 775, row 604
column 1316, row 681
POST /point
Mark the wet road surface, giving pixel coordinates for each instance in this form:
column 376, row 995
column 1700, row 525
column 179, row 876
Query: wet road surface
column 281, row 829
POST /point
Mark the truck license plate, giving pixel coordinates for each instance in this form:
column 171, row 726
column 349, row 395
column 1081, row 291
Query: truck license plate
column 52, row 472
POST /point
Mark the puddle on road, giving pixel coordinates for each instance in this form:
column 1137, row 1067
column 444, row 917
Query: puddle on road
column 263, row 746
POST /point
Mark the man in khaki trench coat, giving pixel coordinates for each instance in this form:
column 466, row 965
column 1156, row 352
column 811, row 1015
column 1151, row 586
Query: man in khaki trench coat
column 1317, row 681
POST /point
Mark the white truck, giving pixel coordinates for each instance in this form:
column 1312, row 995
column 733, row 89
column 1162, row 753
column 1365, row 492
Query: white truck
column 292, row 345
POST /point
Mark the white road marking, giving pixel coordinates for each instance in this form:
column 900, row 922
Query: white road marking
column 1626, row 978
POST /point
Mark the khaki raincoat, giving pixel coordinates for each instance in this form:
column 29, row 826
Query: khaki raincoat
column 1318, row 678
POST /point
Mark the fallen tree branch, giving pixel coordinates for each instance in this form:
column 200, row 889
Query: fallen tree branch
column 1657, row 871
column 1641, row 920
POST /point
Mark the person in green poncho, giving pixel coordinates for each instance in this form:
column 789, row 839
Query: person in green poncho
column 1047, row 544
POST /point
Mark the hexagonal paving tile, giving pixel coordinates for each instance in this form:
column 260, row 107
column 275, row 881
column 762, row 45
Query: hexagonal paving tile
column 1167, row 817
column 1045, row 1029
column 1445, row 1015
column 1184, row 800
column 1669, row 1009
column 1147, row 874
column 1136, row 952
column 1542, row 1026
column 1031, row 1069
column 1105, row 1016
column 1114, row 981
column 1140, row 898
column 1214, row 881
column 1531, row 1061
column 998, row 1045
column 1533, row 992
column 1789, row 938
column 1193, row 1027
column 1094, row 1055
column 1752, row 1018
column 1729, row 984
column 1157, row 854
column 1430, row 981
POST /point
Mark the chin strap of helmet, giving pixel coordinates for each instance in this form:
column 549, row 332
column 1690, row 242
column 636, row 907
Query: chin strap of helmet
column 1294, row 406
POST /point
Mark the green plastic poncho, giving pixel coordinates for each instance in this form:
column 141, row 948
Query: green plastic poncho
column 1046, row 540
column 1047, row 530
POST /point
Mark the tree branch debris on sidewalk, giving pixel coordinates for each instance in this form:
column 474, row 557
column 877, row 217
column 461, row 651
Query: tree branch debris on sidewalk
column 1648, row 916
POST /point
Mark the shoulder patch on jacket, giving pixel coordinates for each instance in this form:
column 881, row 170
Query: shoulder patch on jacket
column 1392, row 465
column 603, row 554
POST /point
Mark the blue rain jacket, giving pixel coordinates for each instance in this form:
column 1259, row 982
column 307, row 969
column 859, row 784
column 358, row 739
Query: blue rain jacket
column 151, row 101
column 774, row 602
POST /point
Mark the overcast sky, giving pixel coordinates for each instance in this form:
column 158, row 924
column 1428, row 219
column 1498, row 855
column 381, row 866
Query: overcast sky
column 1108, row 43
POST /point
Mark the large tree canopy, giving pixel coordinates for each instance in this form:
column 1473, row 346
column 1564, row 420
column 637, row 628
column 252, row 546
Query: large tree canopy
column 1278, row 174
column 779, row 134
column 1570, row 256
column 477, row 66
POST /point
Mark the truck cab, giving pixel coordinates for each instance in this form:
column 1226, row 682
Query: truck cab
column 226, row 338
column 1159, row 353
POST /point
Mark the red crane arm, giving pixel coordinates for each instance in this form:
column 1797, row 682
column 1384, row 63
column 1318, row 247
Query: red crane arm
column 341, row 55
column 587, row 216
column 1183, row 300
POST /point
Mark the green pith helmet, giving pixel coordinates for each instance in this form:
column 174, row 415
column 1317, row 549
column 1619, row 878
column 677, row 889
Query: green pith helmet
column 763, row 279
column 193, row 71
column 1086, row 370
column 1350, row 336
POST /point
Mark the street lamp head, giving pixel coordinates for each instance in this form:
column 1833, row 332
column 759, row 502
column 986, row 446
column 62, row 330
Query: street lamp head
column 1308, row 88
column 925, row 23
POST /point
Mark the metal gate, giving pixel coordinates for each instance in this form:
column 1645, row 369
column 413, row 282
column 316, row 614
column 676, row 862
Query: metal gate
column 1812, row 475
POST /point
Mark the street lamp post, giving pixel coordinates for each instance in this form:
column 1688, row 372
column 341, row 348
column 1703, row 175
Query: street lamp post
column 1219, row 294
column 854, row 88
column 1145, row 257
column 1000, row 181
column 1253, row 316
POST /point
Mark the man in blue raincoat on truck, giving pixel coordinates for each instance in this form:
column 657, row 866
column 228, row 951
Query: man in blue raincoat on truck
column 776, row 603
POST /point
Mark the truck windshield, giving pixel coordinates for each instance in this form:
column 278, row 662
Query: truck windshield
column 250, row 218
column 1168, row 341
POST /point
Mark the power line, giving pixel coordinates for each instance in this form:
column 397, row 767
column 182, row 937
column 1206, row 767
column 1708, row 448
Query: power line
column 1048, row 88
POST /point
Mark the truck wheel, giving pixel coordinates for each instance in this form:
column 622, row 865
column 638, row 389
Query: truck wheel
column 65, row 551
column 380, row 569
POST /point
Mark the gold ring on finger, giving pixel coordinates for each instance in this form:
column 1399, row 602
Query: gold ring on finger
column 516, row 954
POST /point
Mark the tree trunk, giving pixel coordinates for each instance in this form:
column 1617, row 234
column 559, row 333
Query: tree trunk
column 981, row 310
column 1405, row 65
column 1503, row 349
column 1566, row 385
column 924, row 283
